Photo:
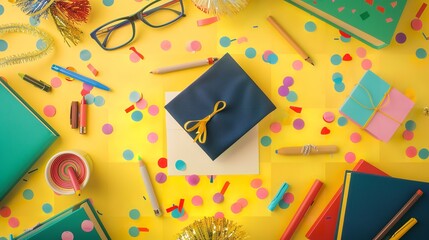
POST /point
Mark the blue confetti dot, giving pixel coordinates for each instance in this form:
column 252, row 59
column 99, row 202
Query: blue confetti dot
column 1, row 9
column 310, row 26
column 225, row 41
column 337, row 77
column 292, row 96
column 336, row 59
column 128, row 155
column 424, row 153
column 28, row 194
column 137, row 116
column 421, row 53
column 250, row 52
column 89, row 98
column 410, row 125
column 34, row 21
column 180, row 165
column 99, row 101
column 47, row 208
column 134, row 214
column 133, row 231
column 283, row 205
column 135, row 96
column 266, row 141
column 272, row 58
column 40, row 44
column 108, row 3
column 339, row 87
column 177, row 214
column 3, row 45
column 345, row 39
column 342, row 121
column 85, row 55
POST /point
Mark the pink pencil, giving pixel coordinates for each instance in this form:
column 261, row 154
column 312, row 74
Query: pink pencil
column 302, row 210
column 74, row 180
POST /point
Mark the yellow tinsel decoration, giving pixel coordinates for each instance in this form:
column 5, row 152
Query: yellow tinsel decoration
column 211, row 228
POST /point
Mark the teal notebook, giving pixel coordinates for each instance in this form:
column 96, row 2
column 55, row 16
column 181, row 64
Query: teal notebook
column 78, row 222
column 24, row 137
column 370, row 201
column 371, row 21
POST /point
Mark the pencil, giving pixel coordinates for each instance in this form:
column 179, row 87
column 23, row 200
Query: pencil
column 286, row 36
column 182, row 66
column 399, row 215
column 307, row 150
column 404, row 229
column 149, row 188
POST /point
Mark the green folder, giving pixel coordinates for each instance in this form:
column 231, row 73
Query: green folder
column 24, row 137
column 80, row 221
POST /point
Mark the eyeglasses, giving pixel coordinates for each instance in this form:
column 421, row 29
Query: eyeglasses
column 119, row 32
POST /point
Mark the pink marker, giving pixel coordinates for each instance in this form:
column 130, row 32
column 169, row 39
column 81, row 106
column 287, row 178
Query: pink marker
column 74, row 181
column 82, row 117
column 218, row 197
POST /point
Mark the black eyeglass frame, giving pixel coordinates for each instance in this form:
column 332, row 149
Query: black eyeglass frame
column 139, row 15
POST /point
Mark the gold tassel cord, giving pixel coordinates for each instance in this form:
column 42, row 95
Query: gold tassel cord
column 211, row 228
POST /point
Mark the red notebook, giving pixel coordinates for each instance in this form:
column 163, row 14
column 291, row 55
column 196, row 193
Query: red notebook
column 324, row 226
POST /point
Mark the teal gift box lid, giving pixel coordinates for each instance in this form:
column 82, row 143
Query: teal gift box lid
column 245, row 105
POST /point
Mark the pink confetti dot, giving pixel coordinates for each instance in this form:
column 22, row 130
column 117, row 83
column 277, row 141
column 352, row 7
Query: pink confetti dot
column 184, row 217
column 297, row 65
column 266, row 54
column 56, row 82
column 366, row 64
column 142, row 104
column 283, row 91
column 49, row 110
column 153, row 110
column 408, row 135
column 67, row 235
column 87, row 87
column 236, row 208
column 165, row 45
column 262, row 193
column 5, row 212
column 13, row 222
column 411, row 151
column 107, row 128
column 288, row 198
column 197, row 200
column 152, row 137
column 329, row 117
column 275, row 127
column 361, row 52
column 350, row 157
column 219, row 215
column 87, row 225
column 161, row 177
column 298, row 124
column 194, row 46
column 218, row 198
column 256, row 183
column 288, row 81
column 355, row 137
column 193, row 179
column 243, row 202
column 134, row 57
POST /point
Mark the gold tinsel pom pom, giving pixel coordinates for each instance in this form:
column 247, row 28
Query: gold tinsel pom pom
column 220, row 7
column 211, row 228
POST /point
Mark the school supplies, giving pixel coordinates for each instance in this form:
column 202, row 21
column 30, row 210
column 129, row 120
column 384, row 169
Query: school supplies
column 376, row 106
column 82, row 116
column 149, row 188
column 404, row 229
column 80, row 221
column 182, row 66
column 245, row 102
column 373, row 23
column 74, row 114
column 307, row 150
column 278, row 197
column 370, row 201
column 37, row 83
column 25, row 136
column 79, row 77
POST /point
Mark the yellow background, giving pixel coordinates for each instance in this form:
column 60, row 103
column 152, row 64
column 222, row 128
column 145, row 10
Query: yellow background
column 116, row 186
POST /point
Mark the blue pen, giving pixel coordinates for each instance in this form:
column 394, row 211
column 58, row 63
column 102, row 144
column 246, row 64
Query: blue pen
column 278, row 196
column 79, row 77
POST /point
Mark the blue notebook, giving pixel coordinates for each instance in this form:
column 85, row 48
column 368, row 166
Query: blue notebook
column 370, row 201
column 245, row 106
column 24, row 137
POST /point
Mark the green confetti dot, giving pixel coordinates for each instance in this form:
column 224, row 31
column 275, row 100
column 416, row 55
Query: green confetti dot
column 424, row 153
column 225, row 41
column 421, row 53
column 266, row 141
column 410, row 125
column 47, row 208
column 134, row 214
column 3, row 45
column 310, row 26
column 250, row 52
column 180, row 165
column 337, row 77
column 133, row 231
column 28, row 194
column 342, row 121
column 128, row 155
column 292, row 96
column 137, row 116
column 85, row 55
column 99, row 101
column 336, row 59
column 339, row 87
column 283, row 205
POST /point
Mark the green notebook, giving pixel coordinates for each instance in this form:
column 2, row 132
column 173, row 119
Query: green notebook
column 78, row 222
column 24, row 137
column 371, row 21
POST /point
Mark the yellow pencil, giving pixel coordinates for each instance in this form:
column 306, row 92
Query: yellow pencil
column 404, row 229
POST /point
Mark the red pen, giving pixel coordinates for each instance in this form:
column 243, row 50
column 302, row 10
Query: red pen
column 302, row 210
column 82, row 117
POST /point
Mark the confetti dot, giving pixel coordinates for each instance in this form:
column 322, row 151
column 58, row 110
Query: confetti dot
column 107, row 129
column 134, row 214
column 288, row 81
column 128, row 155
column 336, row 59
column 137, row 116
column 135, row 96
column 219, row 215
column 283, row 91
column 310, row 26
column 339, row 87
column 49, row 110
column 366, row 64
column 40, row 44
column 292, row 96
column 424, row 153
column 256, row 183
column 28, row 194
column 89, row 98
column 180, row 165
column 99, row 101
column 108, row 3
column 193, row 179
column 262, row 193
column 411, row 151
column 298, row 124
column 153, row 110
column 142, row 104
column 133, row 231
column 152, row 137
column 350, row 157
column 266, row 141
column 401, row 38
column 283, row 205
column 5, row 212
column 85, row 55
column 218, row 197
column 342, row 121
column 329, row 117
column 355, row 137
column 13, row 222
column 3, row 45
column 134, row 57
column 408, row 135
column 272, row 58
column 236, row 208
column 67, row 235
column 197, row 200
column 56, row 82
column 165, row 45
column 47, row 208
column 410, row 125
column 34, row 21
column 177, row 214
column 361, row 52
column 87, row 225
column 275, row 127
column 288, row 198
column 337, row 78
column 194, row 46
column 243, row 202
column 250, row 52
column 297, row 65
column 225, row 41
column 161, row 177
column 1, row 9
column 421, row 53
column 162, row 162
